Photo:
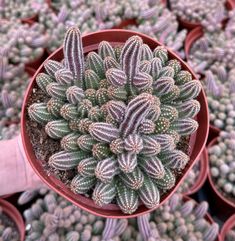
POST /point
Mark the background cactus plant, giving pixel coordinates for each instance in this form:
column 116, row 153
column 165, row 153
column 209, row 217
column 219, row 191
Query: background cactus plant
column 21, row 43
column 19, row 9
column 207, row 13
column 215, row 50
column 178, row 220
column 51, row 217
column 8, row 229
column 190, row 179
column 221, row 98
column 222, row 165
column 160, row 23
column 118, row 126
column 230, row 236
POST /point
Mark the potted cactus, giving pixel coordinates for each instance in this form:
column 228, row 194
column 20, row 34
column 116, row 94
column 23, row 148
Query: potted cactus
column 11, row 223
column 221, row 173
column 103, row 127
column 228, row 229
column 179, row 219
column 207, row 14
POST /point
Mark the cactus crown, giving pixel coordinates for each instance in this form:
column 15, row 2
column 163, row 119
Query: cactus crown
column 118, row 120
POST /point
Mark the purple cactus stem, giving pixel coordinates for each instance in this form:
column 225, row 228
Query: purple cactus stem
column 73, row 53
column 211, row 84
column 144, row 226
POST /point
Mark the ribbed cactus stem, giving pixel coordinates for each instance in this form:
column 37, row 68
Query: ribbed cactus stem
column 64, row 77
column 106, row 50
column 106, row 169
column 149, row 193
column 116, row 77
column 104, row 193
column 66, row 160
column 152, row 166
column 43, row 80
column 130, row 59
column 127, row 199
column 73, row 53
column 136, row 111
column 144, row 226
column 82, row 184
column 103, row 132
column 52, row 66
column 57, row 129
column 39, row 113
column 175, row 159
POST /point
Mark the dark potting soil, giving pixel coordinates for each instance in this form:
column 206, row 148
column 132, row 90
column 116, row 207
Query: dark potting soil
column 44, row 146
column 7, row 223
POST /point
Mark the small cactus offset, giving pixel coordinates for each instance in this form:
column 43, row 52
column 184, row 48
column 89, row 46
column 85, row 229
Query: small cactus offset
column 118, row 119
column 222, row 165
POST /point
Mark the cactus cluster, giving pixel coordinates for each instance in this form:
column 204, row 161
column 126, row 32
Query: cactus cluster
column 160, row 23
column 208, row 13
column 221, row 98
column 178, row 220
column 190, row 179
column 52, row 218
column 8, row 229
column 13, row 82
column 118, row 114
column 21, row 43
column 19, row 9
column 230, row 235
column 214, row 50
column 89, row 16
column 222, row 164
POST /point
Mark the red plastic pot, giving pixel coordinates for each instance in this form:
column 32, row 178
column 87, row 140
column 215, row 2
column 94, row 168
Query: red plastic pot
column 213, row 133
column 228, row 225
column 192, row 36
column 37, row 62
column 207, row 216
column 197, row 140
column 125, row 23
column 230, row 4
column 223, row 206
column 30, row 20
column 14, row 214
column 202, row 175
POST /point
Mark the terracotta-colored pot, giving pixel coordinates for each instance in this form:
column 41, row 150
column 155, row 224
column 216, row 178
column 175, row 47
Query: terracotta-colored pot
column 37, row 62
column 228, row 225
column 230, row 4
column 14, row 214
column 213, row 133
column 125, row 23
column 207, row 216
column 30, row 20
column 223, row 206
column 197, row 140
column 192, row 36
column 202, row 175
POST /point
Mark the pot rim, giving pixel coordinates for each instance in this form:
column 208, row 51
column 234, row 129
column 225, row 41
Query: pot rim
column 61, row 188
column 202, row 175
column 15, row 216
column 228, row 225
column 212, row 184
